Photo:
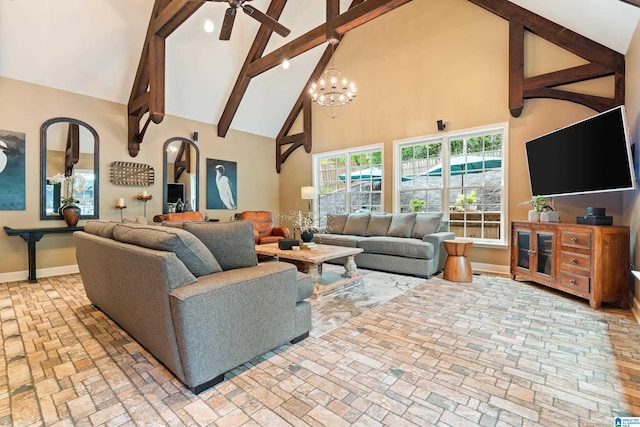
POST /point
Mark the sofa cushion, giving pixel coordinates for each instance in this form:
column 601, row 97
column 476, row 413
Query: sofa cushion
column 426, row 223
column 401, row 225
column 232, row 243
column 398, row 246
column 101, row 228
column 191, row 251
column 136, row 220
column 356, row 224
column 338, row 239
column 335, row 223
column 378, row 224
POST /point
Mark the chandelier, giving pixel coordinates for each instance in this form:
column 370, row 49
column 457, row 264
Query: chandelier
column 332, row 93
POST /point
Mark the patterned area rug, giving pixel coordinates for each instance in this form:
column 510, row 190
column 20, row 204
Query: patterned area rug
column 332, row 310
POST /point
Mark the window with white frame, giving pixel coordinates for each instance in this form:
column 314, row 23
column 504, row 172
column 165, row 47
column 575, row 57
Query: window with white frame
column 348, row 181
column 459, row 173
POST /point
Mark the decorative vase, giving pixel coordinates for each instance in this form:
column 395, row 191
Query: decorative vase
column 306, row 235
column 71, row 214
column 534, row 215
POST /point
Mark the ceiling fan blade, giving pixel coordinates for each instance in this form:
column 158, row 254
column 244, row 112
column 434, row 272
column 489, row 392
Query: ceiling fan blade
column 266, row 20
column 227, row 24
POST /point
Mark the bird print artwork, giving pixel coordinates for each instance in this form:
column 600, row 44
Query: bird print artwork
column 224, row 188
column 3, row 155
column 221, row 184
column 12, row 171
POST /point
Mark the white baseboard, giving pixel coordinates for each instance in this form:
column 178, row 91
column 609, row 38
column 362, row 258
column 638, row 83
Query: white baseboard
column 490, row 268
column 16, row 276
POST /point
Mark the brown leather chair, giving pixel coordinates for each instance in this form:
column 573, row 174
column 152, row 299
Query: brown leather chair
column 264, row 230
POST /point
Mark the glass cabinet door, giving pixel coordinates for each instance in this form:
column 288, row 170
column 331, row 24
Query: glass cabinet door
column 544, row 253
column 524, row 248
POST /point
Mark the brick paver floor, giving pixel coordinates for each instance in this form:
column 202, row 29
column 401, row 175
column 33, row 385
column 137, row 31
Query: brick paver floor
column 494, row 352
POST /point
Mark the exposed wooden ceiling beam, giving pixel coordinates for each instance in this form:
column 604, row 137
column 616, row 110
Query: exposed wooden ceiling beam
column 557, row 34
column 147, row 92
column 632, row 2
column 333, row 10
column 361, row 14
column 242, row 82
column 602, row 60
column 303, row 103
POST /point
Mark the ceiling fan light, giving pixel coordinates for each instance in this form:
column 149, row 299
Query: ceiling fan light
column 208, row 26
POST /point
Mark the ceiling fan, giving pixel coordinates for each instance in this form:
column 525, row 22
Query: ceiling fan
column 230, row 16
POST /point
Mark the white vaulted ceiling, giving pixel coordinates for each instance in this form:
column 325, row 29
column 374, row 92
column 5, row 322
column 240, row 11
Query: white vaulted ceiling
column 92, row 47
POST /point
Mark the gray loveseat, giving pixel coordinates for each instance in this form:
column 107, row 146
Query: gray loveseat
column 195, row 298
column 405, row 243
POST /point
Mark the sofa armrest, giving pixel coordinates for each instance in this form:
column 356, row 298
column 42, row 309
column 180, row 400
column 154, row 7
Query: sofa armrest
column 437, row 240
column 231, row 317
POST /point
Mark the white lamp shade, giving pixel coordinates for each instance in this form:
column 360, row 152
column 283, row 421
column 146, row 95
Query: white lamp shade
column 308, row 193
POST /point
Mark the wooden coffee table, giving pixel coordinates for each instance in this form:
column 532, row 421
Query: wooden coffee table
column 310, row 261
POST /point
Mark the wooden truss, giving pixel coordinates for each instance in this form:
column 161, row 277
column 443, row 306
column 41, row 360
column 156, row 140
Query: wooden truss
column 147, row 94
column 602, row 60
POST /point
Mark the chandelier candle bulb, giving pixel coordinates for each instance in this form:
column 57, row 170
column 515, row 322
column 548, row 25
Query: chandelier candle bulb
column 121, row 201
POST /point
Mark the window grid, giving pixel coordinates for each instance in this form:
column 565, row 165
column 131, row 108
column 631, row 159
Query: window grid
column 471, row 189
column 348, row 186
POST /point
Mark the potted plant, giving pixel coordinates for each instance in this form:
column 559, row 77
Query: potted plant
column 416, row 205
column 467, row 200
column 542, row 211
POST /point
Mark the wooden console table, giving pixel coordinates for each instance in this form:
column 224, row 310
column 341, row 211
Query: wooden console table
column 31, row 236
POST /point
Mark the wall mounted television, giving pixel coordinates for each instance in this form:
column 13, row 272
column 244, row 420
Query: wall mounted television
column 175, row 192
column 590, row 156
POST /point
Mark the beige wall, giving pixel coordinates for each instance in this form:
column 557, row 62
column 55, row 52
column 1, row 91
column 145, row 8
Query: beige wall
column 631, row 200
column 410, row 72
column 26, row 106
column 443, row 59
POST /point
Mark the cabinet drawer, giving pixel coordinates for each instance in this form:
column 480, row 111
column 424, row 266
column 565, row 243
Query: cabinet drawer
column 574, row 260
column 575, row 282
column 575, row 239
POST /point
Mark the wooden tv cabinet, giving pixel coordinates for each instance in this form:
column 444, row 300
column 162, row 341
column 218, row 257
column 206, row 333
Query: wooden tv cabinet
column 590, row 261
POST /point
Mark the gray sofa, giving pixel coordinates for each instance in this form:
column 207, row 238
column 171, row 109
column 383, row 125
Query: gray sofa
column 405, row 243
column 195, row 297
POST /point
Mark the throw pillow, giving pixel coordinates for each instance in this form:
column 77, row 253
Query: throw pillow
column 101, row 228
column 356, row 224
column 401, row 225
column 232, row 243
column 191, row 251
column 426, row 223
column 378, row 224
column 335, row 223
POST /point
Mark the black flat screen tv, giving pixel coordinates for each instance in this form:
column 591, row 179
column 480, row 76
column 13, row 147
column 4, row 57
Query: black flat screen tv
column 175, row 192
column 590, row 156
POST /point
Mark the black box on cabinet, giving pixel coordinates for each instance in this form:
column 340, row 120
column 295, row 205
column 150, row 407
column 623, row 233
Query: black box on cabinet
column 595, row 220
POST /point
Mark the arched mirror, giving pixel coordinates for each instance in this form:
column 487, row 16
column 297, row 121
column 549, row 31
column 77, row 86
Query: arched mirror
column 181, row 175
column 69, row 167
